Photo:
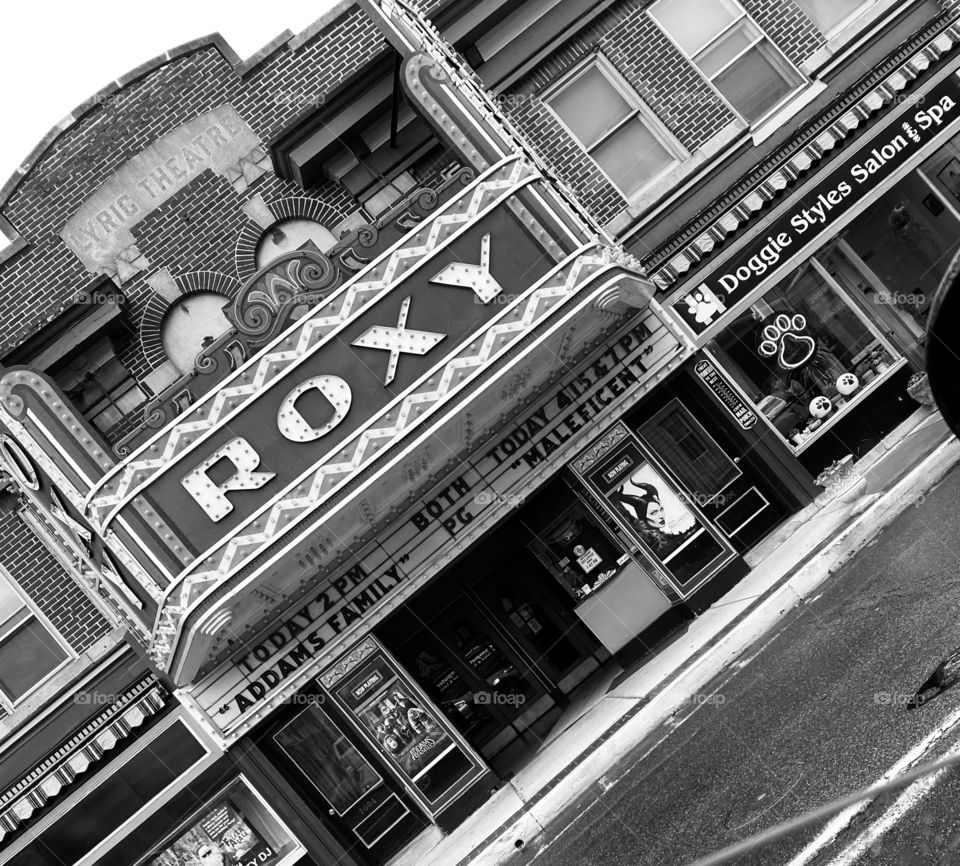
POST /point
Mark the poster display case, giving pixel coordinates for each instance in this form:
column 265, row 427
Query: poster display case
column 672, row 534
column 234, row 828
column 416, row 741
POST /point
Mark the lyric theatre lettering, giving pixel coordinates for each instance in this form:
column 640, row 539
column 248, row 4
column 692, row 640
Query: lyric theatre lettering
column 100, row 230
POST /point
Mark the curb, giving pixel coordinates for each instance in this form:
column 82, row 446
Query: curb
column 652, row 711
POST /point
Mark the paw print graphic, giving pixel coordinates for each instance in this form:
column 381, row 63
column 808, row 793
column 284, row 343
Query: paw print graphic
column 703, row 305
column 782, row 337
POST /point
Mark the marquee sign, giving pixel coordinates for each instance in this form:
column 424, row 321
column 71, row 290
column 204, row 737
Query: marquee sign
column 284, row 656
column 349, row 377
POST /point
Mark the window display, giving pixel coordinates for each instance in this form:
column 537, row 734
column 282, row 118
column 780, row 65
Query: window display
column 236, row 828
column 653, row 510
column 401, row 725
column 803, row 353
column 578, row 552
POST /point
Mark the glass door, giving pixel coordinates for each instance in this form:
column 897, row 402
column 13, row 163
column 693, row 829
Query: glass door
column 735, row 501
column 371, row 815
column 526, row 603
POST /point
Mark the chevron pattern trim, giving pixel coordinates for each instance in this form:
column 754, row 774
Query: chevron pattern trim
column 359, row 452
column 118, row 487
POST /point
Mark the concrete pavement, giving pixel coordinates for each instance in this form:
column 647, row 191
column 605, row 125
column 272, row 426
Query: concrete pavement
column 813, row 712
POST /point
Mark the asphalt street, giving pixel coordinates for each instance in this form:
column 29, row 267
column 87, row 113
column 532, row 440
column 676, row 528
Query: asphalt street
column 812, row 713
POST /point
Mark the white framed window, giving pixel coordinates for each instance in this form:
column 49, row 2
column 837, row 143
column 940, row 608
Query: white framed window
column 731, row 52
column 832, row 15
column 609, row 121
column 30, row 649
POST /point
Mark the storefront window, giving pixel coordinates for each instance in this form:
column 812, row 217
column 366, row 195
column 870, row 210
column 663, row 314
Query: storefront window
column 903, row 244
column 578, row 552
column 803, row 353
column 236, row 828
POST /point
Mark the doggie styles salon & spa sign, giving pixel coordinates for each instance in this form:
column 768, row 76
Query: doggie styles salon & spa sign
column 842, row 189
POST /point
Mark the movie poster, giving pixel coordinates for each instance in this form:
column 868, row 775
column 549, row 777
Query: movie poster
column 220, row 837
column 407, row 733
column 655, row 512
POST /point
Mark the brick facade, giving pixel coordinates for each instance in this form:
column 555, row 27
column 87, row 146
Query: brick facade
column 199, row 228
column 41, row 576
column 658, row 72
column 787, row 26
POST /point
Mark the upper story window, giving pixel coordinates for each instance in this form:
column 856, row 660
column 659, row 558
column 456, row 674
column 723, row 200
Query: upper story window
column 100, row 386
column 831, row 15
column 618, row 131
column 731, row 52
column 29, row 651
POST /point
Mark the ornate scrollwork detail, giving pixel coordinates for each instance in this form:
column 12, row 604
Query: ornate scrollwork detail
column 263, row 306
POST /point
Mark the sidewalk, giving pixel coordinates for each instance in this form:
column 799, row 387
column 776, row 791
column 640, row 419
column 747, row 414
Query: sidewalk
column 786, row 568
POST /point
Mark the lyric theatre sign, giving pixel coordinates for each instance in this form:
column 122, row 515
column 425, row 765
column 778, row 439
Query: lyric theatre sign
column 100, row 230
column 813, row 213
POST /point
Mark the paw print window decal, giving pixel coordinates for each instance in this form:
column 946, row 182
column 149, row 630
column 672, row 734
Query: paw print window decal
column 783, row 337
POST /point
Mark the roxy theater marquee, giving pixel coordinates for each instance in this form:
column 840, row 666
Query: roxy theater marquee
column 306, row 446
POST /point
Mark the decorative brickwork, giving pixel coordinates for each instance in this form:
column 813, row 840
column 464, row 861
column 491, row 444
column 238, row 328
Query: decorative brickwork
column 665, row 80
column 42, row 577
column 661, row 76
column 199, row 228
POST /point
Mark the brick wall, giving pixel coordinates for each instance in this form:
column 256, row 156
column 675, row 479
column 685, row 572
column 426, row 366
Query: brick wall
column 199, row 228
column 788, row 26
column 42, row 577
column 661, row 76
column 568, row 159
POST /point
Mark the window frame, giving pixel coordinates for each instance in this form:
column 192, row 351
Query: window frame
column 780, row 60
column 638, row 109
column 15, row 622
column 843, row 23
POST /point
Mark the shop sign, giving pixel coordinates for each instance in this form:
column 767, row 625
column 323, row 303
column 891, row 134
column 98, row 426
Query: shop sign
column 818, row 209
column 722, row 390
column 374, row 362
column 652, row 510
column 406, row 729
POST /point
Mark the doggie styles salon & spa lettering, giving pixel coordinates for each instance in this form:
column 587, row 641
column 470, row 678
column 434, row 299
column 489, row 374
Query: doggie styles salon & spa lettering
column 819, row 322
column 829, row 200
